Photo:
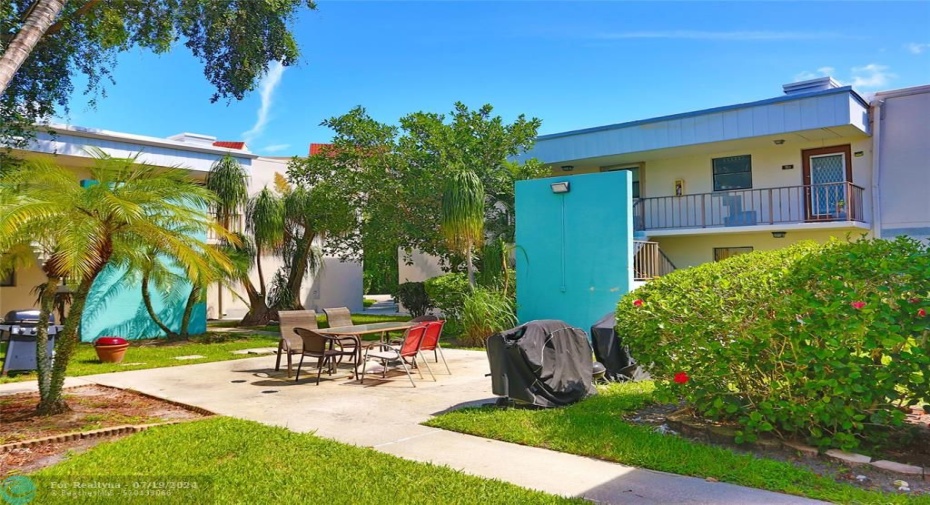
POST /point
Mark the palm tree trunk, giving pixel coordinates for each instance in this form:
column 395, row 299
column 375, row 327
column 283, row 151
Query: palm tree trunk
column 53, row 402
column 470, row 265
column 147, row 301
column 46, row 305
column 261, row 274
column 299, row 269
column 189, row 310
column 259, row 314
column 39, row 18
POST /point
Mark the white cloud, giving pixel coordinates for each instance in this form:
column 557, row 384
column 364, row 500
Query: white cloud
column 709, row 35
column 916, row 48
column 871, row 76
column 273, row 148
column 267, row 87
column 821, row 72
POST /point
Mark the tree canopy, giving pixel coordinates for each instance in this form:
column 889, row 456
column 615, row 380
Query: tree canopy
column 236, row 40
column 396, row 175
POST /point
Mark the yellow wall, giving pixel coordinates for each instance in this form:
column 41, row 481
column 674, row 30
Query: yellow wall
column 697, row 249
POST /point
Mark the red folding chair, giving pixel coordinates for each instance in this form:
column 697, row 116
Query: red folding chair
column 431, row 341
column 409, row 348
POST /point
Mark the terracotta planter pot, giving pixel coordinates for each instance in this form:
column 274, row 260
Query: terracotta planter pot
column 111, row 349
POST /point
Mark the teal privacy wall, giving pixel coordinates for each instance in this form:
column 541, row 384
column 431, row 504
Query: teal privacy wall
column 114, row 306
column 574, row 250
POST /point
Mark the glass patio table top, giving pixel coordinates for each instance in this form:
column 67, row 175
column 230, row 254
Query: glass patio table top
column 365, row 329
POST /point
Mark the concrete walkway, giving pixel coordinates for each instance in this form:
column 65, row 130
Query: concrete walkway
column 385, row 415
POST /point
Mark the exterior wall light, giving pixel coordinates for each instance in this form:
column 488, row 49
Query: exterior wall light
column 568, row 168
column 560, row 187
column 779, row 234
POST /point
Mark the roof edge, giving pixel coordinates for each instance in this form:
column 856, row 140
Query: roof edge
column 682, row 115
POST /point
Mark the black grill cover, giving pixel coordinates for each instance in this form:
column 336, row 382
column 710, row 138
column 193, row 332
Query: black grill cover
column 609, row 350
column 545, row 363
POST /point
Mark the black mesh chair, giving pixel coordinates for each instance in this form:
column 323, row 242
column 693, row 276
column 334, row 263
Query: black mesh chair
column 323, row 348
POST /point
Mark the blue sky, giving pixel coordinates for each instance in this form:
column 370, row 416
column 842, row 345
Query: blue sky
column 571, row 64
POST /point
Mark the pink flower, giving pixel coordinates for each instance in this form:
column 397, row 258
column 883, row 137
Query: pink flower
column 857, row 305
column 681, row 378
column 637, row 303
column 921, row 313
column 914, row 300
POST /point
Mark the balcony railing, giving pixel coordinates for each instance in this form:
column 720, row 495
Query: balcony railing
column 750, row 207
column 649, row 261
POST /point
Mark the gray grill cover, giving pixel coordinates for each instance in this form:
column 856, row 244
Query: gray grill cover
column 545, row 363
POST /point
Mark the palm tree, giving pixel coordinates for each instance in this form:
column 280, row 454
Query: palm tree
column 40, row 16
column 264, row 221
column 114, row 220
column 462, row 219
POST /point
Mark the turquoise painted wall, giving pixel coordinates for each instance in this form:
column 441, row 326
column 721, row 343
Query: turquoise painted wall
column 114, row 305
column 574, row 250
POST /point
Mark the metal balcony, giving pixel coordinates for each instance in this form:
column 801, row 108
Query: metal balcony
column 752, row 207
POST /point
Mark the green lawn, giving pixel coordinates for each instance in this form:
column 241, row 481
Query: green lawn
column 156, row 354
column 594, row 428
column 234, row 461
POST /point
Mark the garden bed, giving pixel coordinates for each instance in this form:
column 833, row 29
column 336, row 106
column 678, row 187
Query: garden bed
column 97, row 413
column 911, row 449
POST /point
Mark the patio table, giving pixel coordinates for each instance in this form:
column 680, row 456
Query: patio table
column 357, row 330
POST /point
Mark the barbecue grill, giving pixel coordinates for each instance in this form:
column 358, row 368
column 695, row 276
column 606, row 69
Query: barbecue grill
column 20, row 328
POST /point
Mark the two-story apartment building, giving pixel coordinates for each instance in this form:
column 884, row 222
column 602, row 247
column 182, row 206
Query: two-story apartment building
column 337, row 284
column 817, row 162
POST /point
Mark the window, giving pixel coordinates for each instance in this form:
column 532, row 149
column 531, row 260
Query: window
column 8, row 279
column 722, row 253
column 634, row 169
column 733, row 172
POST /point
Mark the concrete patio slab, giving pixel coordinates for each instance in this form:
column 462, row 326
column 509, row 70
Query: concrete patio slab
column 386, row 415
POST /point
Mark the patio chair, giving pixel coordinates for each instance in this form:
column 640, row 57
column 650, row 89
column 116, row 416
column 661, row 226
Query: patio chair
column 319, row 346
column 387, row 353
column 290, row 343
column 338, row 316
column 341, row 316
column 431, row 341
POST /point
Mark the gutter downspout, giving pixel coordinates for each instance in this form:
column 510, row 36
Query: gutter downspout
column 876, row 168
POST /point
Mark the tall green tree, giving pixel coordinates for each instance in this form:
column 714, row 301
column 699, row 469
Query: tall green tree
column 45, row 43
column 396, row 175
column 264, row 225
column 129, row 209
column 463, row 216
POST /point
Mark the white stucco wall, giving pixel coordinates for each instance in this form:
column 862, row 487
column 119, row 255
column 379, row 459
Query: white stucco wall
column 904, row 162
column 422, row 266
column 338, row 284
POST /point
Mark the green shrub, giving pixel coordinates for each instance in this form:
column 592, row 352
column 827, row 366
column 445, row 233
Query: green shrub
column 824, row 342
column 412, row 295
column 485, row 313
column 448, row 293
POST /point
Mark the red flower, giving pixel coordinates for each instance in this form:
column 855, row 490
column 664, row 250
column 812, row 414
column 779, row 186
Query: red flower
column 637, row 303
column 857, row 305
column 921, row 313
column 681, row 378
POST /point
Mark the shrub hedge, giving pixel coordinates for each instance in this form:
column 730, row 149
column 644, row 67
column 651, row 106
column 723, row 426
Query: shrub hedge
column 824, row 342
column 412, row 295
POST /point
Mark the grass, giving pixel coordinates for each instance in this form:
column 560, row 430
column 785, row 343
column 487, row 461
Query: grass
column 235, row 461
column 368, row 302
column 145, row 354
column 593, row 428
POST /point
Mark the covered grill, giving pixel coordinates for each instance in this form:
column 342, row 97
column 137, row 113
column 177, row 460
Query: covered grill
column 609, row 350
column 546, row 363
column 20, row 328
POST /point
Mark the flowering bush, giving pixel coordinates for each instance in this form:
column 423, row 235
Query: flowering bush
column 824, row 342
